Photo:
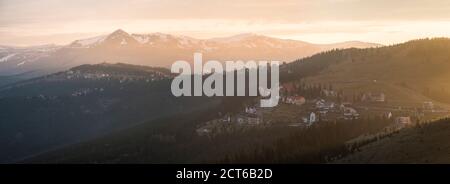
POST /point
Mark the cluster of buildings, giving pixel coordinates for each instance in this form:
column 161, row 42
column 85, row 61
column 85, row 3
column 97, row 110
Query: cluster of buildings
column 42, row 97
column 321, row 109
column 311, row 111
column 86, row 91
column 329, row 110
column 326, row 107
column 251, row 116
column 97, row 75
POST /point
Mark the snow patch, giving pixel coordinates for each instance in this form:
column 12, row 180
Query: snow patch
column 142, row 39
column 187, row 41
column 4, row 59
column 123, row 42
column 21, row 63
column 91, row 41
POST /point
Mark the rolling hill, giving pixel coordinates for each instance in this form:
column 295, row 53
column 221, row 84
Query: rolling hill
column 84, row 102
column 408, row 73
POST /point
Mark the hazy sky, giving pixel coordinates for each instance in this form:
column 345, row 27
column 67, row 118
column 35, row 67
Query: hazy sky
column 30, row 22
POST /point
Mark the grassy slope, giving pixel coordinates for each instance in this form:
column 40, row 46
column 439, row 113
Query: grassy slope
column 426, row 144
column 402, row 71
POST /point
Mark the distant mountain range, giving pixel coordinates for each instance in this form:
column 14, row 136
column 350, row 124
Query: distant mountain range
column 155, row 49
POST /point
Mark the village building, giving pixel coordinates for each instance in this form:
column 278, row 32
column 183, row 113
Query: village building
column 203, row 131
column 389, row 115
column 295, row 100
column 350, row 113
column 226, row 119
column 373, row 97
column 428, row 105
column 403, row 120
column 329, row 93
column 248, row 119
column 250, row 110
column 312, row 118
column 324, row 105
column 342, row 107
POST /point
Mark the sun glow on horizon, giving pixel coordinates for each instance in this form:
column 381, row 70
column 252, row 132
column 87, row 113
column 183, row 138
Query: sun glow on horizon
column 323, row 21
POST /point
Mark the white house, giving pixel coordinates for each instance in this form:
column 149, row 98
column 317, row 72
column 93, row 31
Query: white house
column 329, row 93
column 312, row 118
column 250, row 110
column 322, row 104
column 403, row 120
column 350, row 113
column 428, row 105
column 389, row 115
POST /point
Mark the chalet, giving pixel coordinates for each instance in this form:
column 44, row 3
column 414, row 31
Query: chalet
column 329, row 93
column 344, row 105
column 324, row 105
column 373, row 97
column 404, row 120
column 389, row 115
column 295, row 100
column 428, row 105
column 226, row 119
column 203, row 131
column 248, row 119
column 350, row 113
column 250, row 110
column 312, row 118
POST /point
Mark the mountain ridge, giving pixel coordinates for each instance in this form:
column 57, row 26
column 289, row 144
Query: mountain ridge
column 156, row 49
column 143, row 38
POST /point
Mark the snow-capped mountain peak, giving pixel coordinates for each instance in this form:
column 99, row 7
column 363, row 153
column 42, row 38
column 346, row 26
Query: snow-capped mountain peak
column 118, row 34
column 156, row 49
column 89, row 42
